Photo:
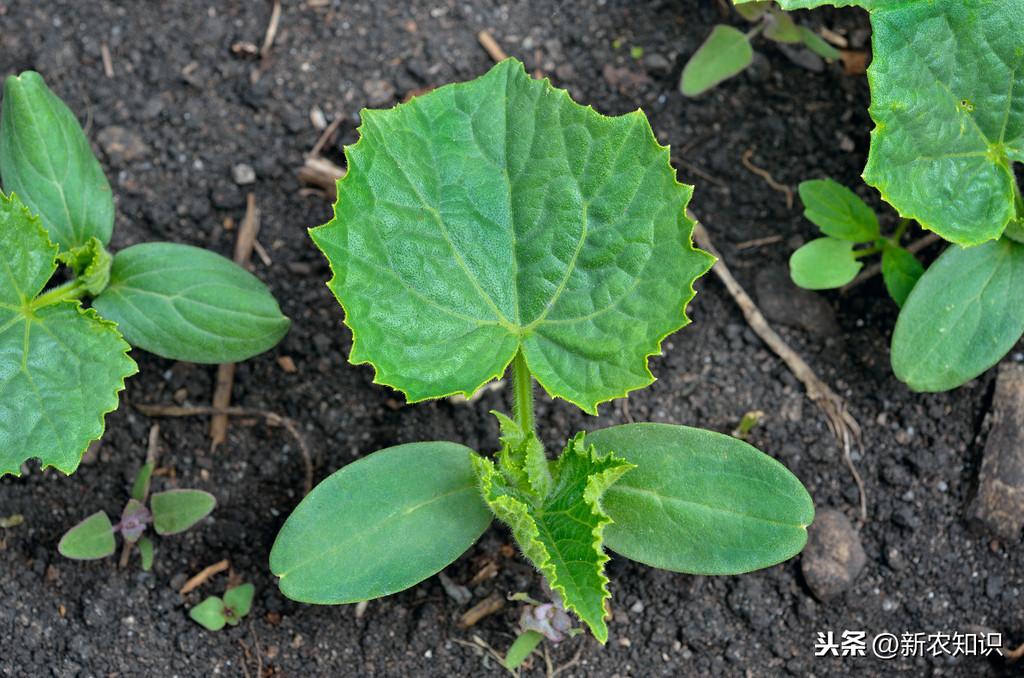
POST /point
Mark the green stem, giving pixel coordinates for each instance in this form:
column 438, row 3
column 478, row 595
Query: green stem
column 522, row 385
column 73, row 289
column 900, row 230
column 859, row 254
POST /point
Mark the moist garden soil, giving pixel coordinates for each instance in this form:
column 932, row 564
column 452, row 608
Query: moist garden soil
column 180, row 112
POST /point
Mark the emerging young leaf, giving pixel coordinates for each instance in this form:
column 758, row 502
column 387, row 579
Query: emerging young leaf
column 210, row 614
column 238, row 600
column 187, row 303
column 701, row 502
column 838, row 211
column 522, row 647
column 494, row 216
column 963, row 315
column 140, row 488
column 816, row 44
column 175, row 511
column 46, row 159
column 90, row 539
column 134, row 520
column 61, row 366
column 824, row 263
column 725, row 53
column 782, row 28
column 900, row 271
column 561, row 533
column 90, row 263
column 381, row 525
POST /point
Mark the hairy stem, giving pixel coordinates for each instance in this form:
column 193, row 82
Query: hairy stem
column 522, row 386
column 73, row 289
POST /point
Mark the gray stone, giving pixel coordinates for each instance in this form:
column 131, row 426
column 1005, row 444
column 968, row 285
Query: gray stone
column 834, row 556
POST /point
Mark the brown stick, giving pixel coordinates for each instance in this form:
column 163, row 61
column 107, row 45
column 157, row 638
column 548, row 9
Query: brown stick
column 875, row 269
column 226, row 372
column 766, row 175
column 272, row 418
column 491, row 45
column 108, row 63
column 323, row 174
column 842, row 424
column 326, row 136
column 485, row 608
column 204, row 575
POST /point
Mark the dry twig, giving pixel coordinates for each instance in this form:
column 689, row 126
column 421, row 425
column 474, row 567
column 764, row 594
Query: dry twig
column 766, row 175
column 842, row 424
column 226, row 371
column 491, row 45
column 204, row 576
column 326, row 136
column 323, row 174
column 272, row 418
column 108, row 63
column 485, row 608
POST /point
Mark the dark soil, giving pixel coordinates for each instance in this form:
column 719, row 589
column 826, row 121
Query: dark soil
column 195, row 113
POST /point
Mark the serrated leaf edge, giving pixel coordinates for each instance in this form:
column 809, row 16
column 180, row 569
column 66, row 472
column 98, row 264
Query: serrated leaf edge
column 688, row 223
column 91, row 315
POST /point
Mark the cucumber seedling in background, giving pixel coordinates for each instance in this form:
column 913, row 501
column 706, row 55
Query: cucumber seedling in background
column 169, row 512
column 727, row 52
column 215, row 613
column 496, row 226
column 845, row 220
column 947, row 98
column 63, row 364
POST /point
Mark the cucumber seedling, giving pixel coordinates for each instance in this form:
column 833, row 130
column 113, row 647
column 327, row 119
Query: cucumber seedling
column 947, row 99
column 62, row 365
column 169, row 512
column 496, row 227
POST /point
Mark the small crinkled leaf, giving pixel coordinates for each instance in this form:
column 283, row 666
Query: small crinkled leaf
column 838, row 211
column 209, row 614
column 900, row 271
column 239, row 599
column 45, row 158
column 187, row 303
column 824, row 263
column 498, row 215
column 90, row 539
column 725, row 53
column 962, row 317
column 380, row 525
column 146, row 553
column 134, row 520
column 522, row 457
column 701, row 502
column 61, row 366
column 175, row 511
column 561, row 533
column 90, row 263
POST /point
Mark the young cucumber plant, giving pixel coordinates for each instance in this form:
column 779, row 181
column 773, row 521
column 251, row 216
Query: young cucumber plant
column 63, row 364
column 169, row 512
column 727, row 52
column 845, row 220
column 497, row 226
column 947, row 99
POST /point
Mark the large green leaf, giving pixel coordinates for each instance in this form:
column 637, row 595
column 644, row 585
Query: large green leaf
column 725, row 53
column 61, row 366
column 90, row 539
column 495, row 216
column 701, row 502
column 561, row 532
column 963, row 315
column 187, row 303
column 947, row 98
column 46, row 159
column 175, row 511
column 381, row 525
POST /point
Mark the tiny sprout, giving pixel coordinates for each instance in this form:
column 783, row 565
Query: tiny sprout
column 169, row 512
column 214, row 613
